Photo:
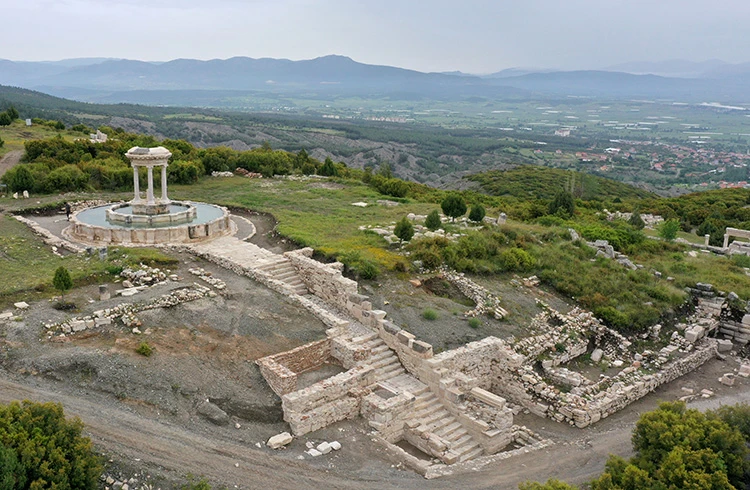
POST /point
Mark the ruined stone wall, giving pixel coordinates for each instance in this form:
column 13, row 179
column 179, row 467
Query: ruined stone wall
column 738, row 331
column 323, row 280
column 388, row 412
column 281, row 370
column 411, row 352
column 328, row 401
column 594, row 402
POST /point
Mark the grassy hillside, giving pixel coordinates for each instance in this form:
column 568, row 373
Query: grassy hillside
column 531, row 182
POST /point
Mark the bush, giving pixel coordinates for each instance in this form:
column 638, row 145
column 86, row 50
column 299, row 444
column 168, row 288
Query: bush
column 404, row 230
column 62, row 281
column 516, row 259
column 145, row 349
column 562, row 205
column 475, row 322
column 453, row 206
column 429, row 314
column 477, row 213
column 19, row 178
column 433, row 222
column 39, row 448
column 668, row 230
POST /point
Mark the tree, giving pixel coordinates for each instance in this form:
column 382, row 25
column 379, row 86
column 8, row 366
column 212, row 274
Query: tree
column 668, row 230
column 562, row 204
column 636, row 221
column 5, row 119
column 679, row 448
column 385, row 170
column 328, row 168
column 12, row 113
column 433, row 221
column 477, row 213
column 404, row 230
column 453, row 206
column 20, row 179
column 62, row 281
column 39, row 448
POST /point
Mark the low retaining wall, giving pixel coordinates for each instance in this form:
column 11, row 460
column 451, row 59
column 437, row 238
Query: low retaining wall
column 323, row 280
column 326, row 402
column 281, row 370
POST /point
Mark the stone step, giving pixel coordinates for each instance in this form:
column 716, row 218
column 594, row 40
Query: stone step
column 424, row 403
column 287, row 274
column 440, row 423
column 447, row 431
column 433, row 420
column 388, row 372
column 471, row 454
column 379, row 349
column 383, row 359
column 364, row 339
column 429, row 416
column 460, row 442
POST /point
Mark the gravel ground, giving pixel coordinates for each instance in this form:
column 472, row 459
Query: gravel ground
column 143, row 412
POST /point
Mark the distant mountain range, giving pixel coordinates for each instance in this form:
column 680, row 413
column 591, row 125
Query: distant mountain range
column 118, row 80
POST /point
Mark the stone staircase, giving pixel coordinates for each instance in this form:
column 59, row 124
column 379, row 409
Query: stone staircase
column 429, row 415
column 283, row 270
column 250, row 256
column 383, row 359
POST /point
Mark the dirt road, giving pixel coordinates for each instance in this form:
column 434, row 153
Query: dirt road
column 11, row 158
column 178, row 451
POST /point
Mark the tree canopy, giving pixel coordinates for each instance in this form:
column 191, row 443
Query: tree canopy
column 39, row 448
column 679, row 448
column 453, row 206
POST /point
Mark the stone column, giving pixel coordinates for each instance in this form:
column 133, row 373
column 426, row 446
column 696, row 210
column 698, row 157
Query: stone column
column 150, row 192
column 726, row 240
column 136, row 184
column 164, row 183
column 706, row 238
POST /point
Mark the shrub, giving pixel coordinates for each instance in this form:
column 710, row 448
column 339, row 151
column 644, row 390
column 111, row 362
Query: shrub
column 668, row 230
column 404, row 230
column 367, row 269
column 19, row 178
column 453, row 206
column 477, row 213
column 145, row 349
column 475, row 322
column 429, row 314
column 516, row 259
column 433, row 222
column 62, row 281
column 39, row 448
column 562, row 204
column 636, row 221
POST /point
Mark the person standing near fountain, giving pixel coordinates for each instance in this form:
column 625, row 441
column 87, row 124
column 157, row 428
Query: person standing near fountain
column 67, row 210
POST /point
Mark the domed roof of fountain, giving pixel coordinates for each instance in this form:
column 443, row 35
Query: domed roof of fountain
column 157, row 153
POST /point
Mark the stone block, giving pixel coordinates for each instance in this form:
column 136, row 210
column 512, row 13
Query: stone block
column 324, row 448
column 421, row 347
column 405, row 337
column 744, row 370
column 335, row 445
column 724, row 345
column 21, row 305
column 391, row 328
column 596, row 356
column 279, row 440
column 727, row 379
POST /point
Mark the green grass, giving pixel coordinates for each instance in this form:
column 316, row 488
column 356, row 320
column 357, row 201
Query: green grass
column 17, row 133
column 322, row 218
column 430, row 314
column 690, row 237
column 28, row 265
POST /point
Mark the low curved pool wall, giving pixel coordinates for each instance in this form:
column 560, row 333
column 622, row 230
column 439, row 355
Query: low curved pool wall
column 185, row 216
column 184, row 233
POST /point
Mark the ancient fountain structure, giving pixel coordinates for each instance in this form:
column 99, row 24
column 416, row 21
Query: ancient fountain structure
column 149, row 220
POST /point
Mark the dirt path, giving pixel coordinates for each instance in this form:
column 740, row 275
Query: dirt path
column 11, row 158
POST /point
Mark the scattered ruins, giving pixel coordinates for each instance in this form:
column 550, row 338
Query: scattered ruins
column 440, row 413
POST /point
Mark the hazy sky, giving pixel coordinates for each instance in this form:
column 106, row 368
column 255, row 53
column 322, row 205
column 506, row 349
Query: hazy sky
column 429, row 35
